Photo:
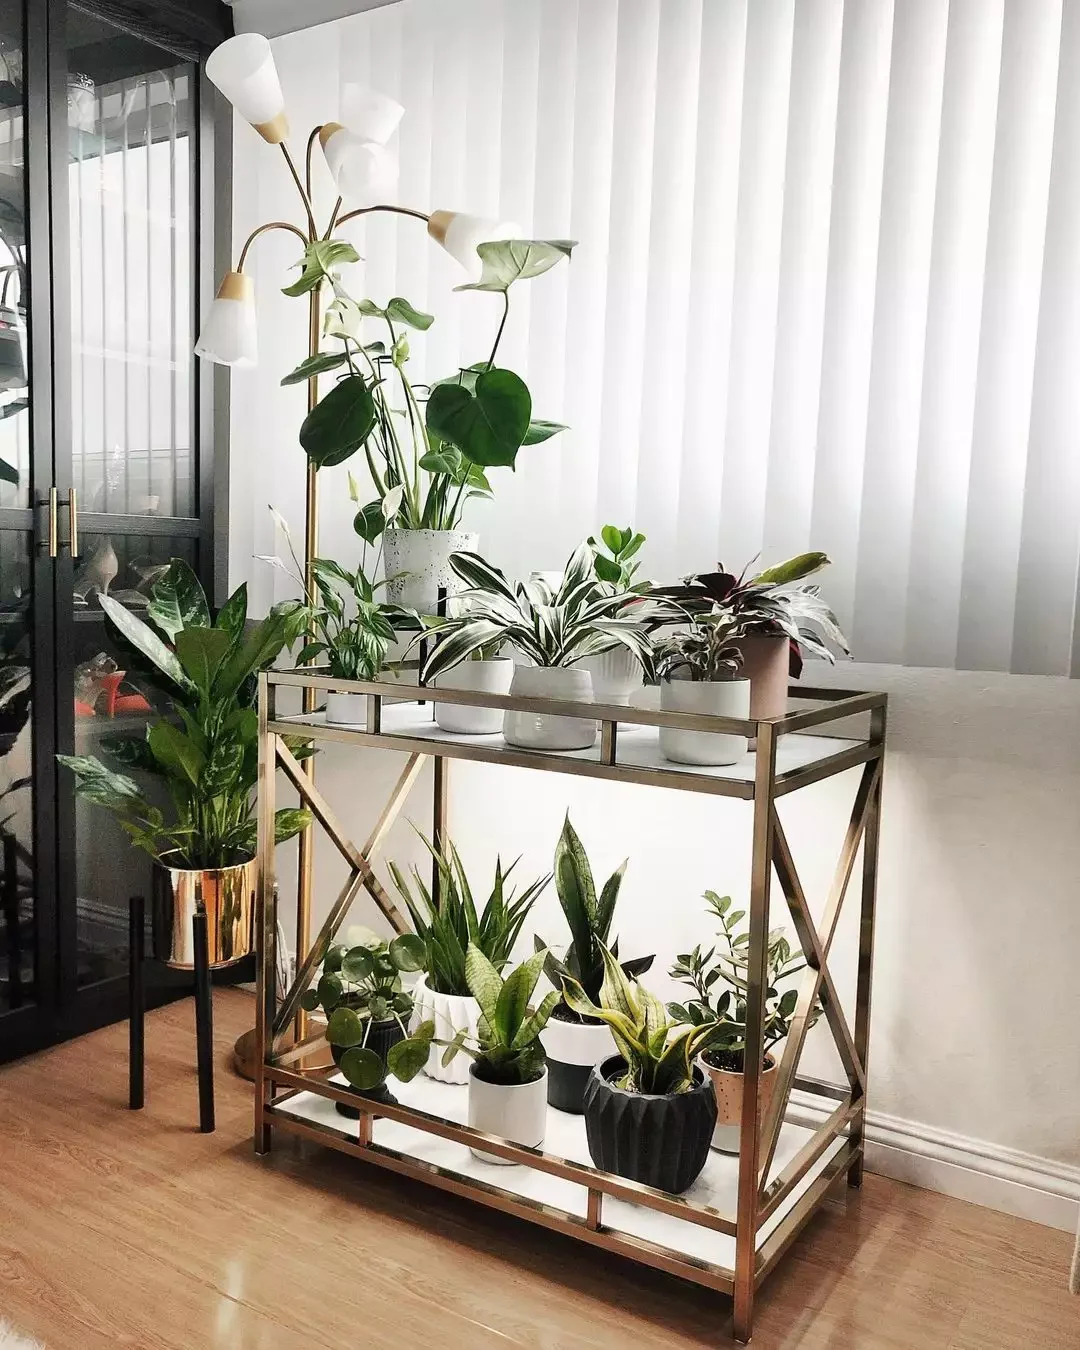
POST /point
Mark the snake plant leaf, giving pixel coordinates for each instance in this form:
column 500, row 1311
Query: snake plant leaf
column 233, row 614
column 362, row 1068
column 485, row 983
column 408, row 1057
column 339, row 423
column 177, row 601
column 542, row 431
column 505, row 261
column 605, row 906
column 8, row 472
column 143, row 638
column 512, row 1005
column 398, row 310
column 311, row 366
column 536, row 1021
column 344, row 1026
column 794, row 569
column 488, row 424
column 407, row 952
column 318, row 262
column 617, row 991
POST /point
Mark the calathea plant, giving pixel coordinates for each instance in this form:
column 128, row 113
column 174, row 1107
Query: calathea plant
column 204, row 747
column 552, row 626
column 367, row 1009
column 424, row 464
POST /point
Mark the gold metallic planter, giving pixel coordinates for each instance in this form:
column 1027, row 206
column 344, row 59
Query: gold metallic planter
column 227, row 895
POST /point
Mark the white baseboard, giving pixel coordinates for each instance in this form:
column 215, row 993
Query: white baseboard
column 969, row 1169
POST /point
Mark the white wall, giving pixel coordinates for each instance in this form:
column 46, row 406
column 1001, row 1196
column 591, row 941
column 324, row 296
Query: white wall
column 973, row 1056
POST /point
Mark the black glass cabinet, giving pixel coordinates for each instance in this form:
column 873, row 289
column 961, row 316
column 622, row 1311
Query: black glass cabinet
column 106, row 253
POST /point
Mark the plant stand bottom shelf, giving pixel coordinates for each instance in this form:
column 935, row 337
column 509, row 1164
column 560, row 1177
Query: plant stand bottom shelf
column 707, row 1255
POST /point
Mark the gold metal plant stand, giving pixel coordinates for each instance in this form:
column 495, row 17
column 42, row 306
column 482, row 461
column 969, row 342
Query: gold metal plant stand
column 776, row 1193
column 309, row 233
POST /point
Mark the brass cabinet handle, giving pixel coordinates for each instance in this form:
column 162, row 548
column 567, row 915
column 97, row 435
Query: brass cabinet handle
column 73, row 523
column 54, row 545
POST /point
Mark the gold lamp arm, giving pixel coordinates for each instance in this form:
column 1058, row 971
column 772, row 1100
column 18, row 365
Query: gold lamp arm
column 263, row 229
column 396, row 210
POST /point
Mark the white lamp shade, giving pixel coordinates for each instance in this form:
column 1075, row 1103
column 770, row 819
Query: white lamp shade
column 242, row 67
column 459, row 234
column 365, row 171
column 370, row 115
column 229, row 333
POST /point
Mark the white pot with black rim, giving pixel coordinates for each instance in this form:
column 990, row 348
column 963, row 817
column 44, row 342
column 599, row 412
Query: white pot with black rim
column 573, row 1045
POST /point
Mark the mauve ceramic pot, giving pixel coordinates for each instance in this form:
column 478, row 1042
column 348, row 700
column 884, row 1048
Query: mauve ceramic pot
column 765, row 663
column 728, row 1086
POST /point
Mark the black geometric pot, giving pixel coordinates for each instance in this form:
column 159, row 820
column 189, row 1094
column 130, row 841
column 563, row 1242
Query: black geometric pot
column 380, row 1038
column 659, row 1141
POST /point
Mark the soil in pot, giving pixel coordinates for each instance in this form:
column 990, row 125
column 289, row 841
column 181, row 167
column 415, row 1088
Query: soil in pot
column 659, row 1141
column 574, row 1045
column 381, row 1037
column 725, row 1068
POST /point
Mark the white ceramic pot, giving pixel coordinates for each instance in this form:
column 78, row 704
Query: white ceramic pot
column 346, row 710
column 451, row 1013
column 545, row 731
column 517, row 1113
column 420, row 560
column 724, row 698
column 486, row 677
column 573, row 1048
column 615, row 676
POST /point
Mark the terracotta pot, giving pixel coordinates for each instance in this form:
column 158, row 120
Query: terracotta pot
column 728, row 1087
column 765, row 664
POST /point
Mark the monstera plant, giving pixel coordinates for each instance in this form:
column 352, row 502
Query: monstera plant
column 203, row 745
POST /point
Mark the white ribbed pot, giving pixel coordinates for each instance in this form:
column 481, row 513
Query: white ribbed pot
column 482, row 677
column 547, row 731
column 615, row 676
column 451, row 1013
column 424, row 555
column 722, row 698
column 572, row 1049
column 517, row 1113
column 346, row 710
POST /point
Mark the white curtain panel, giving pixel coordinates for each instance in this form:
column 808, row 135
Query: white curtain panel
column 827, row 291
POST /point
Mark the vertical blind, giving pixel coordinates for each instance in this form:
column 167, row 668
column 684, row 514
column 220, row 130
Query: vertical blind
column 827, row 291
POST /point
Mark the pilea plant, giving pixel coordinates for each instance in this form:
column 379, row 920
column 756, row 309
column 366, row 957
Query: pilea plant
column 425, row 464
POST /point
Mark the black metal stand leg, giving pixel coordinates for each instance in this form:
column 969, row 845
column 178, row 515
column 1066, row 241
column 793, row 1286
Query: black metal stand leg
column 136, row 1003
column 204, row 1024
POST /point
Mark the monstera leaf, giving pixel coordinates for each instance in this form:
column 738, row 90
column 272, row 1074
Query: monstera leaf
column 508, row 260
column 317, row 263
column 487, row 423
column 398, row 310
column 340, row 423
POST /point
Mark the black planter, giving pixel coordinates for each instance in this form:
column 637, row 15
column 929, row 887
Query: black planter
column 566, row 1086
column 380, row 1038
column 659, row 1141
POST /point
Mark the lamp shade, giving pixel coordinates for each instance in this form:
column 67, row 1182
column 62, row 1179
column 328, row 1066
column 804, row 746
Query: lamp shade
column 242, row 67
column 365, row 171
column 459, row 234
column 371, row 115
column 229, row 333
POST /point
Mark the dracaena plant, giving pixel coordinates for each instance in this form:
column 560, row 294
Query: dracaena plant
column 589, row 918
column 551, row 625
column 359, row 988
column 507, row 1049
column 424, row 463
column 659, row 1053
column 718, row 978
column 447, row 929
column 774, row 602
column 204, row 746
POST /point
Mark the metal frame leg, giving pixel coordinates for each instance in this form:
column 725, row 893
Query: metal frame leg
column 204, row 1023
column 265, row 916
column 136, row 1003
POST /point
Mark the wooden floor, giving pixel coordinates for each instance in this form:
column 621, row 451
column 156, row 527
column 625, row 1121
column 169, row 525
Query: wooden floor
column 122, row 1229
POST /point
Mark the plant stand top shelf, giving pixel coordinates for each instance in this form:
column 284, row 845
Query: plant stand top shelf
column 735, row 1223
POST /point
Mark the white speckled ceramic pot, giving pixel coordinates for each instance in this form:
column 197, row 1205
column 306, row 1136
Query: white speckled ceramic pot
column 420, row 562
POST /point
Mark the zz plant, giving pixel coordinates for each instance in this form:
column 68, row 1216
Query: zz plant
column 659, row 1053
column 718, row 979
column 507, row 1050
column 203, row 746
column 448, row 929
column 359, row 989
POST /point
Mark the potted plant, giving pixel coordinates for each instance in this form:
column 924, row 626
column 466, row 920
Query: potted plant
column 772, row 618
column 485, row 671
column 616, row 673
column 425, row 464
column 552, row 627
column 508, row 1073
column 447, row 930
column 368, row 1011
column 574, row 1043
column 718, row 979
column 699, row 673
column 649, row 1109
column 203, row 747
